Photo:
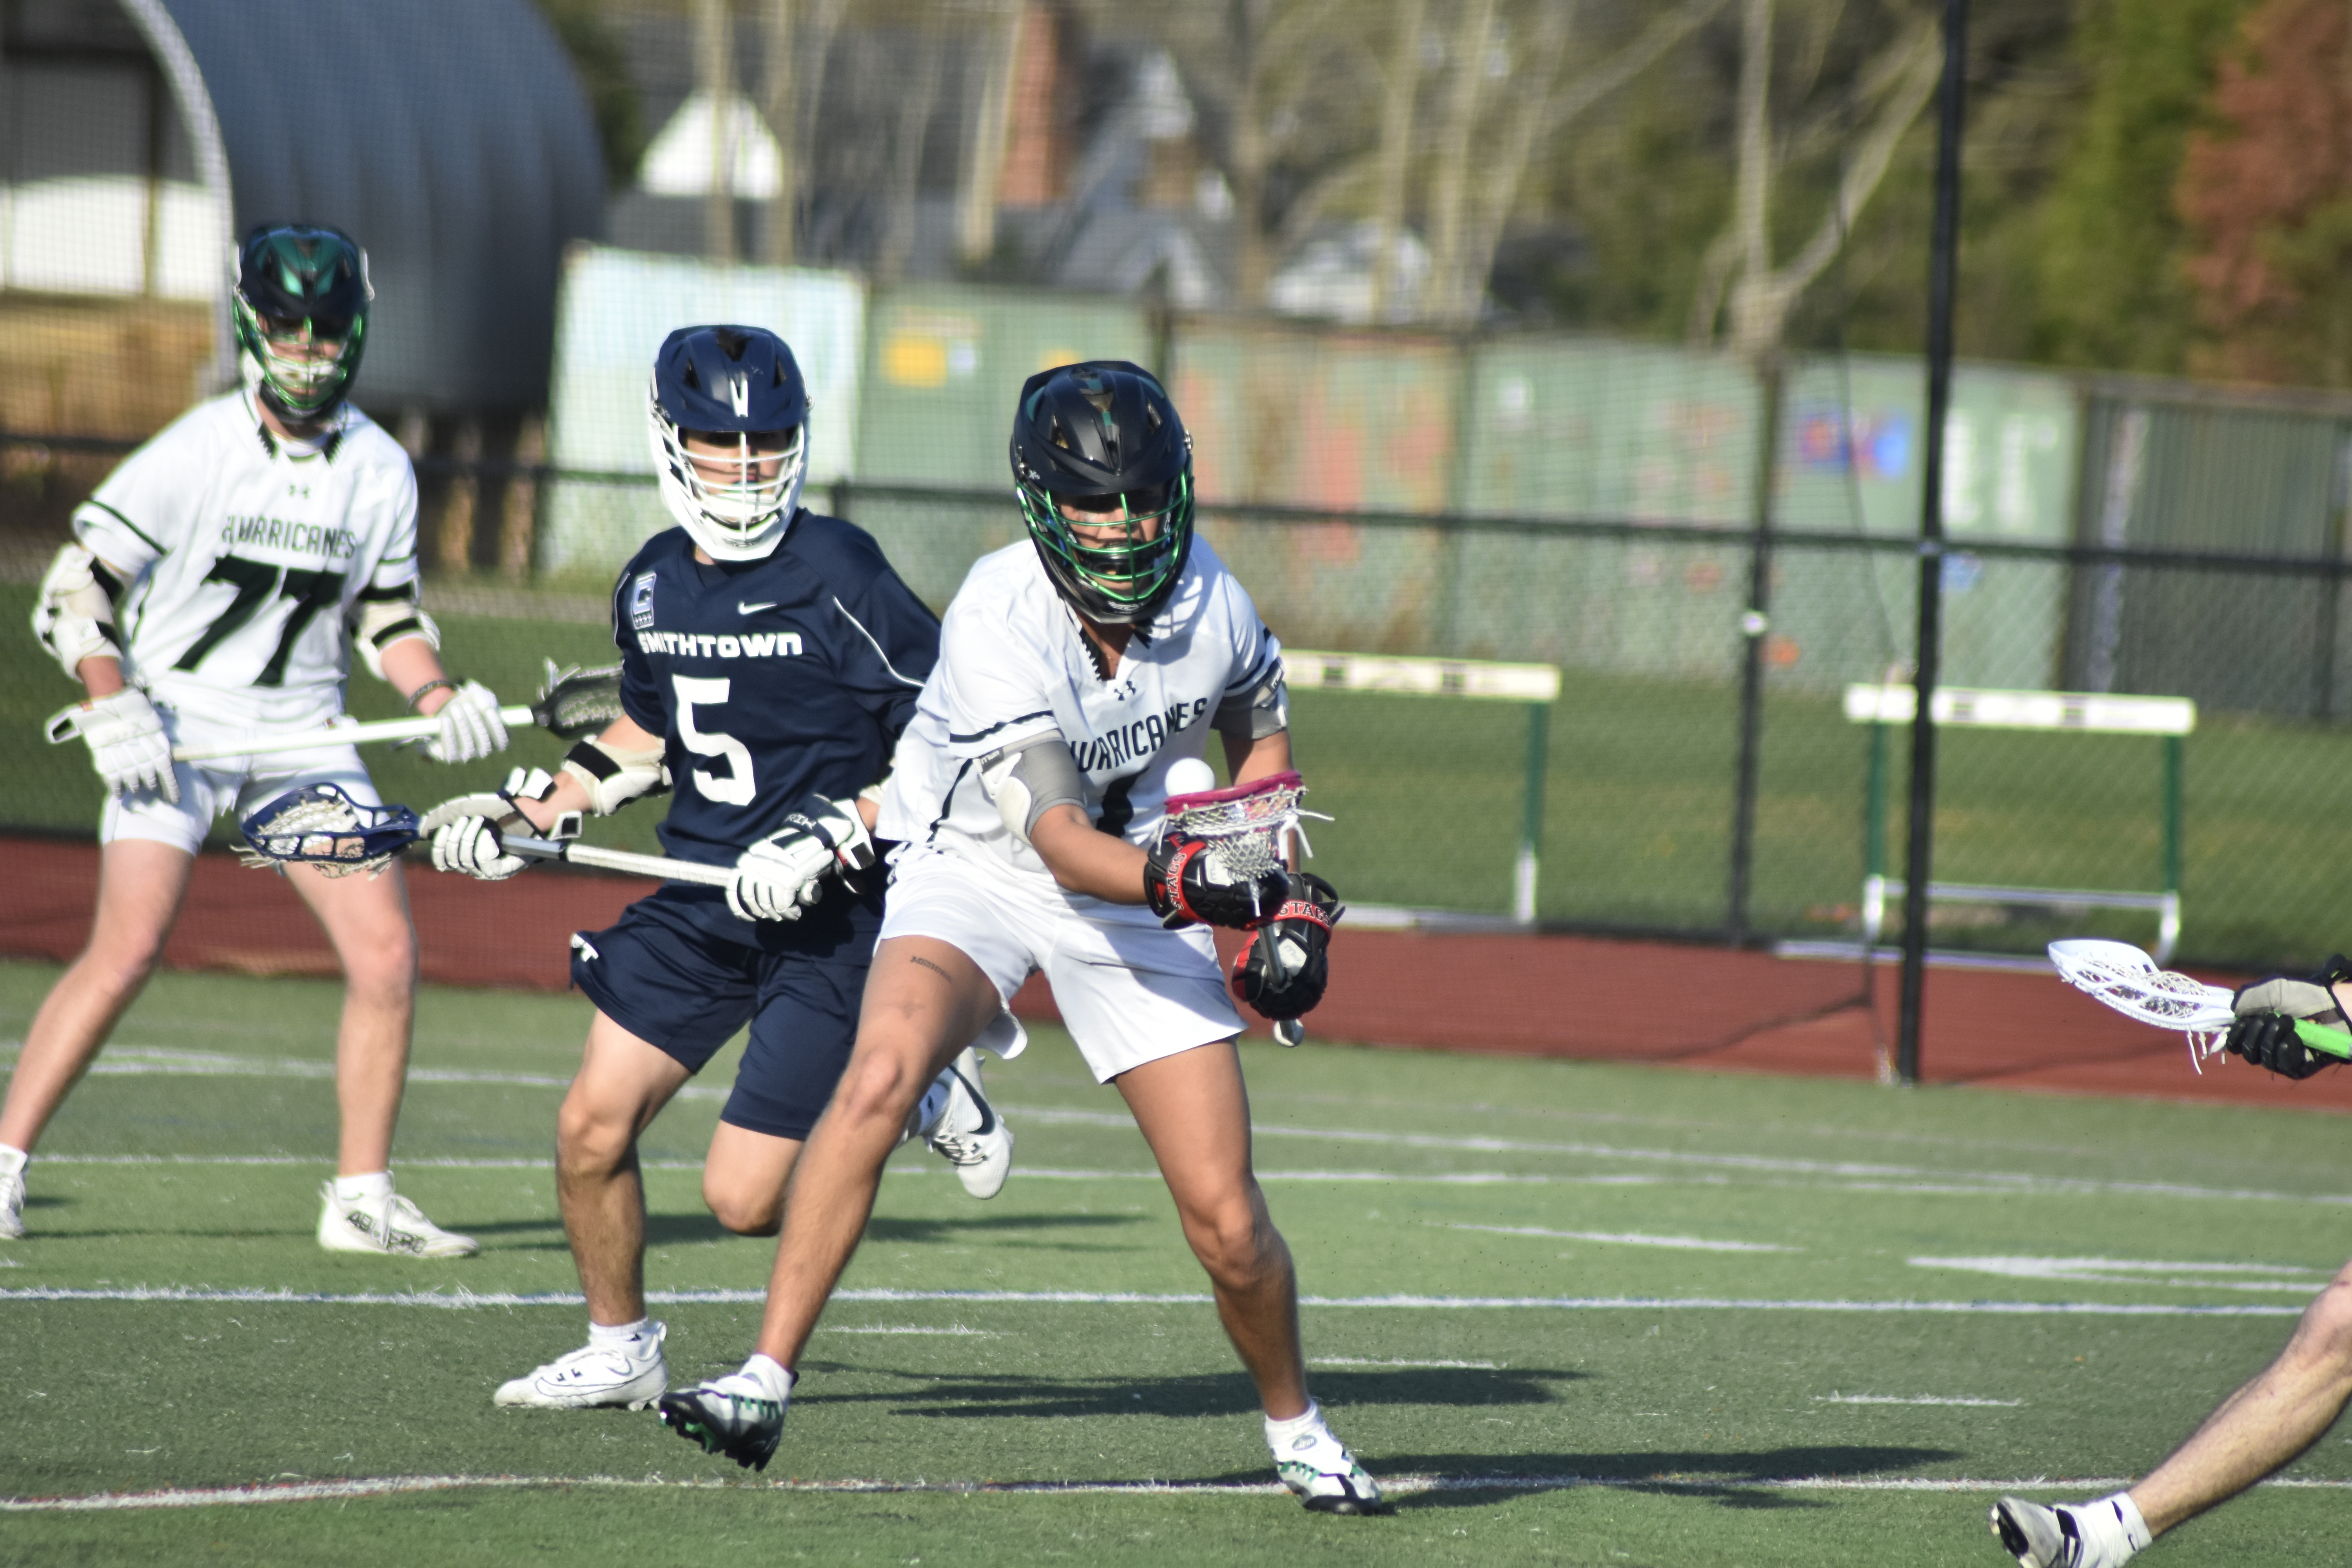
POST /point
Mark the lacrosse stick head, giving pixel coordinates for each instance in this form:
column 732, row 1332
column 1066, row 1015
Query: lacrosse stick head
column 319, row 825
column 1248, row 828
column 575, row 702
column 2129, row 980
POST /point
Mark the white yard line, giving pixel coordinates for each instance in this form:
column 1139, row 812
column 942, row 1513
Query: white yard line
column 1381, row 1361
column 923, row 1168
column 1395, row 1485
column 467, row 1299
column 1854, row 1176
column 1898, row 1399
column 1625, row 1239
column 2300, row 1279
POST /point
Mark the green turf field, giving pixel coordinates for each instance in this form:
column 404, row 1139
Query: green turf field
column 1589, row 1314
column 1638, row 802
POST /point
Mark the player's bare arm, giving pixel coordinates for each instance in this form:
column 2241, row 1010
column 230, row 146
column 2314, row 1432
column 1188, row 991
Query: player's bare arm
column 1084, row 859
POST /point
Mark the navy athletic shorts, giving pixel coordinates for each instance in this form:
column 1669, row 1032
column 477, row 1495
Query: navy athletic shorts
column 667, row 980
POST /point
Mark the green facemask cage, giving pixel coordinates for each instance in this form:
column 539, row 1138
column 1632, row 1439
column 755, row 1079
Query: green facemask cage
column 1126, row 575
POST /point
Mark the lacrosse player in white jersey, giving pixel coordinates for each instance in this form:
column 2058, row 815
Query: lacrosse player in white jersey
column 1075, row 670
column 216, row 582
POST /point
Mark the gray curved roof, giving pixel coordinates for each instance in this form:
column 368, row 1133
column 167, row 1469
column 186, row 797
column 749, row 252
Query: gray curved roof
column 450, row 137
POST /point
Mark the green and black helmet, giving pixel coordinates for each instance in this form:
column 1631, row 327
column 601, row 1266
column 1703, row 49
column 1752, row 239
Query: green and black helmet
column 1102, row 440
column 302, row 305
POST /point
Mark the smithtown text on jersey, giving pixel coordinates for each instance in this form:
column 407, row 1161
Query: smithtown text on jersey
column 749, row 645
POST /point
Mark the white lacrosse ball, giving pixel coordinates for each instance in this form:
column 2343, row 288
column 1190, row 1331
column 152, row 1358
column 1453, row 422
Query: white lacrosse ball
column 1190, row 776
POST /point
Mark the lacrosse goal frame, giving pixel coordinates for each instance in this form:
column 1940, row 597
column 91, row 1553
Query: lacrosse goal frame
column 1536, row 685
column 2169, row 719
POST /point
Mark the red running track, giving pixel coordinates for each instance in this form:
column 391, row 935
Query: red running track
column 1506, row 995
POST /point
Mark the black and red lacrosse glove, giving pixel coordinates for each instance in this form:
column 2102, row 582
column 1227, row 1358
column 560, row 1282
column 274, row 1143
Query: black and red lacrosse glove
column 1184, row 886
column 1283, row 964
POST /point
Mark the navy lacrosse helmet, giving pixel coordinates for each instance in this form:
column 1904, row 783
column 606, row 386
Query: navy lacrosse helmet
column 1102, row 441
column 737, row 394
column 300, row 306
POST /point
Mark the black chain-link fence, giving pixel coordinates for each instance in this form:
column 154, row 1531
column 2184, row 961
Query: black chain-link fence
column 1650, row 822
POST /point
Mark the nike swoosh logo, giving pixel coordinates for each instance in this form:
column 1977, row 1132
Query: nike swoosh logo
column 743, row 609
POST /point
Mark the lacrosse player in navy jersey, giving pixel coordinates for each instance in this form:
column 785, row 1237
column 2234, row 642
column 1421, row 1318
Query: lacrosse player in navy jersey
column 1075, row 669
column 217, row 584
column 770, row 658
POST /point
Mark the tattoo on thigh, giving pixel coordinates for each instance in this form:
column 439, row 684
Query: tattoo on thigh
column 927, row 963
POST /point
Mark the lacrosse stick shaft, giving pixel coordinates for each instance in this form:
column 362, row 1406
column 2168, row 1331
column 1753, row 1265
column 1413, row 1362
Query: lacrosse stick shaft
column 337, row 735
column 622, row 860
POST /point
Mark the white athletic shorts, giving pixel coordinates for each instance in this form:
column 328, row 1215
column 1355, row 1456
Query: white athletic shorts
column 1131, row 991
column 225, row 785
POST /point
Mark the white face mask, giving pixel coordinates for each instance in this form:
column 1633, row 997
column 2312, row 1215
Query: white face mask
column 729, row 503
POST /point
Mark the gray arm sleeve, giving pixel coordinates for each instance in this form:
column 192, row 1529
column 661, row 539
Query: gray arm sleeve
column 1253, row 715
column 1028, row 780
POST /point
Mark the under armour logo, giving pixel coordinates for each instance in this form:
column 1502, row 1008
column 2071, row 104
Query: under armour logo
column 739, row 393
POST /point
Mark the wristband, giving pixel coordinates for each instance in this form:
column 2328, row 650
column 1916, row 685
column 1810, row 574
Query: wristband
column 418, row 695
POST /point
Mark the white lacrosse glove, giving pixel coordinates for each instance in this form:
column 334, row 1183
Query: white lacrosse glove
column 127, row 743
column 466, row 831
column 470, row 726
column 784, row 872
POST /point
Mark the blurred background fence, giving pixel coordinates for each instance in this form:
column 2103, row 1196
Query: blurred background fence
column 1464, row 382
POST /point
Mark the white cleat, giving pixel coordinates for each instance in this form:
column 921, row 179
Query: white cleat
column 593, row 1376
column 11, row 1204
column 2070, row 1535
column 389, row 1227
column 967, row 1132
column 1325, row 1476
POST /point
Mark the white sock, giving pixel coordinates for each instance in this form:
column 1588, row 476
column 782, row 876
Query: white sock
column 2112, row 1531
column 13, row 1161
column 619, row 1336
column 774, row 1383
column 353, row 1189
column 1281, row 1434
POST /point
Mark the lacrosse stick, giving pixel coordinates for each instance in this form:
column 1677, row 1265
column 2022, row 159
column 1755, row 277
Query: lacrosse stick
column 572, row 703
column 1248, row 829
column 319, row 825
column 2128, row 980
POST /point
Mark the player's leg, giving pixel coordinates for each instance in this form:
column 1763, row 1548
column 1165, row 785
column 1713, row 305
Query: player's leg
column 140, row 885
column 667, row 996
column 925, row 999
column 621, row 1084
column 1194, row 1111
column 147, row 851
column 744, row 1178
column 798, row 1041
column 2280, row 1412
column 366, row 922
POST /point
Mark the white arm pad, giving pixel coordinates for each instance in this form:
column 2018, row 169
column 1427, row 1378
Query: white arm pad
column 615, row 777
column 72, row 616
column 383, row 622
column 1028, row 780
